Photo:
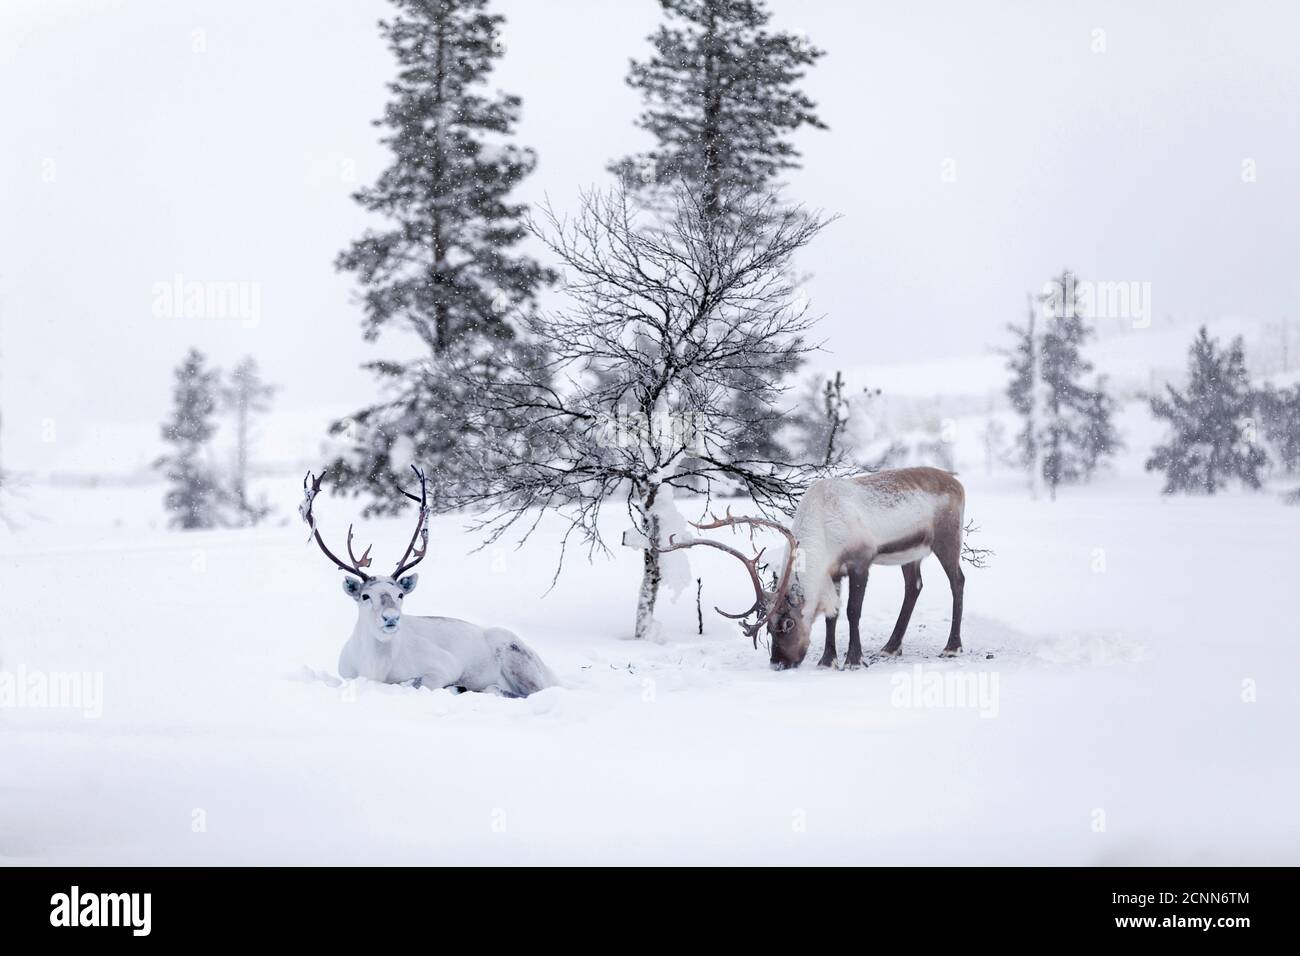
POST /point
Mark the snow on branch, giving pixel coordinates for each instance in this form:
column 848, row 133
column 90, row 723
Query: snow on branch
column 975, row 557
column 632, row 385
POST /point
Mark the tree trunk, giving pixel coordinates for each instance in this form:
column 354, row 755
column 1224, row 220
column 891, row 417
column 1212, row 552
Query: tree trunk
column 650, row 573
column 441, row 331
column 710, row 134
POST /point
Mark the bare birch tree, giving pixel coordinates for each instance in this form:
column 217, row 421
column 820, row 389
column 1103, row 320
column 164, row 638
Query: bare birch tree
column 669, row 316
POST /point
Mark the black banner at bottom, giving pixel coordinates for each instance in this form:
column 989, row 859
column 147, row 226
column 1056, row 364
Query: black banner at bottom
column 220, row 905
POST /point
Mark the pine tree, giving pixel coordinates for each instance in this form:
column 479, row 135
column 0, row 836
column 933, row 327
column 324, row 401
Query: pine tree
column 195, row 495
column 1068, row 429
column 246, row 395
column 445, row 269
column 1065, row 399
column 721, row 99
column 759, row 419
column 1280, row 416
column 1210, row 422
column 1100, row 439
column 1023, row 389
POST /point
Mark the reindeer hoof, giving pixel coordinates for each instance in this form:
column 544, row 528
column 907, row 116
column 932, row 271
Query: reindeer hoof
column 950, row 651
column 888, row 651
column 825, row 662
column 853, row 665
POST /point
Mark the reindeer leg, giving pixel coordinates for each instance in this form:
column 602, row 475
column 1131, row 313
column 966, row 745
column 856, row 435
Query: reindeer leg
column 857, row 589
column 911, row 591
column 949, row 554
column 828, row 655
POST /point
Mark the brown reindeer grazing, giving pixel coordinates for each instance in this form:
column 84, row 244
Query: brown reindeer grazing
column 841, row 528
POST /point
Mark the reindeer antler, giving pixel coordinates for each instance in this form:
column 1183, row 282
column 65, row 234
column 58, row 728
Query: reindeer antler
column 787, row 573
column 764, row 601
column 421, row 528
column 310, row 487
column 364, row 560
column 751, row 565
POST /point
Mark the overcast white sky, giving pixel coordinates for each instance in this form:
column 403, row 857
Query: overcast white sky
column 128, row 157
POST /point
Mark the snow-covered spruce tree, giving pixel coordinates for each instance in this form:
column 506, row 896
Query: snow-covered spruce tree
column 1065, row 399
column 445, row 268
column 760, row 432
column 667, row 316
column 195, row 497
column 1099, row 439
column 721, row 99
column 1210, row 422
column 1279, row 410
column 244, row 395
column 1067, row 430
column 1024, row 391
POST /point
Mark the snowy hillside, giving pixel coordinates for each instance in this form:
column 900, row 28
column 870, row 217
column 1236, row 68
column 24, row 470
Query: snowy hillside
column 916, row 398
column 1118, row 701
column 1109, row 647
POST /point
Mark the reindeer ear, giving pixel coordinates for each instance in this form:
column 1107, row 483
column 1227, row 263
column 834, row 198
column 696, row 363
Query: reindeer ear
column 408, row 583
column 351, row 587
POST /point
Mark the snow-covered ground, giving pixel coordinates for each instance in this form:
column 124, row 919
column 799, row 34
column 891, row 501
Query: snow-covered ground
column 1125, row 698
column 166, row 697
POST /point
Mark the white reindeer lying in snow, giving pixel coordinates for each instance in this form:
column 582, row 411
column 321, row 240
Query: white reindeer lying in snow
column 436, row 651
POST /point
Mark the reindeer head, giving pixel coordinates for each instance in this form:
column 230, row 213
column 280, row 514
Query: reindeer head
column 379, row 602
column 378, row 597
column 788, row 631
column 780, row 610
